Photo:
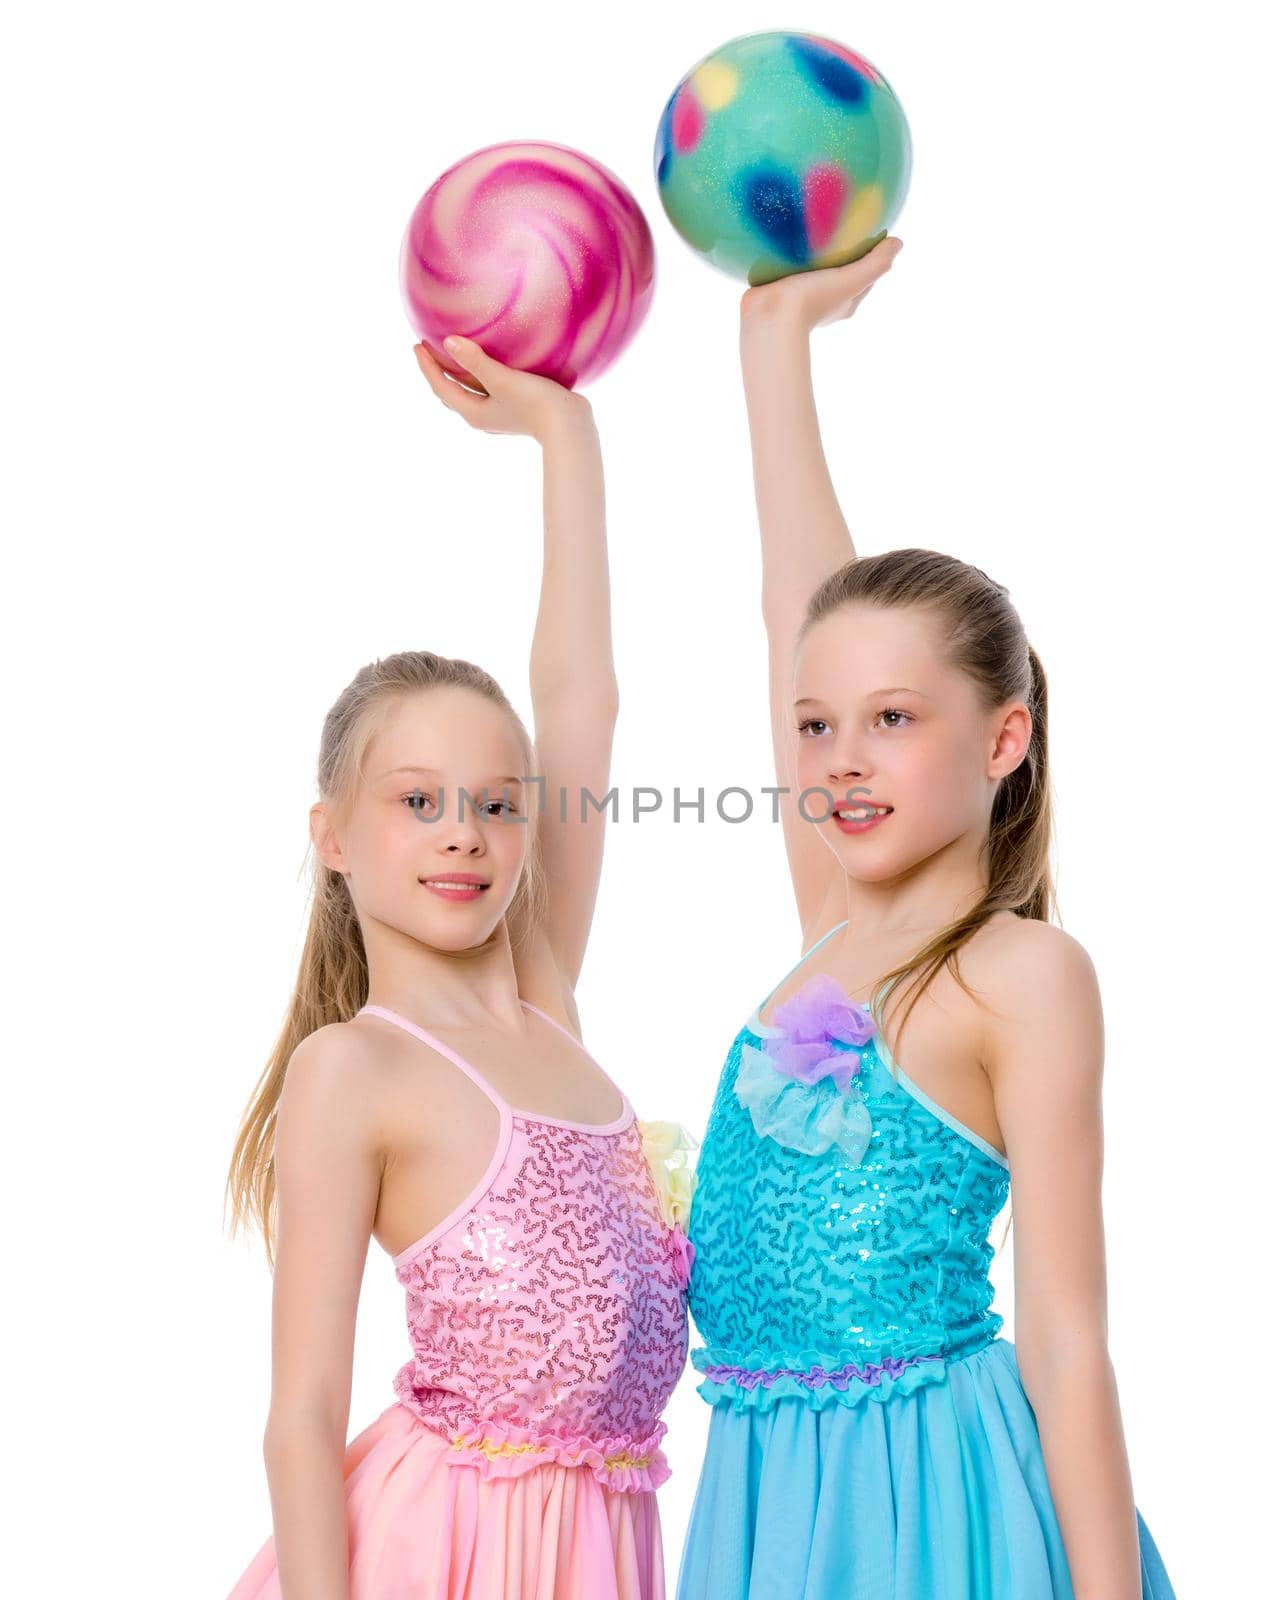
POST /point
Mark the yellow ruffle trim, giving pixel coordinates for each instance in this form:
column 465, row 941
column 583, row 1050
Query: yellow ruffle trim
column 494, row 1448
column 670, row 1150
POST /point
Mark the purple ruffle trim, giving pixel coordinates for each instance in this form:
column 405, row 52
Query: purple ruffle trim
column 840, row 1378
column 817, row 1013
column 821, row 1009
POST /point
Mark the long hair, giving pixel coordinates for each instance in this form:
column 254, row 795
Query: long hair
column 332, row 981
column 981, row 635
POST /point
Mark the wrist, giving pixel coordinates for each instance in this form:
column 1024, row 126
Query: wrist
column 772, row 326
column 571, row 422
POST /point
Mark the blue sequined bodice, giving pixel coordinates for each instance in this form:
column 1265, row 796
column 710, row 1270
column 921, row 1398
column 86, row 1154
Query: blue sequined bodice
column 818, row 1276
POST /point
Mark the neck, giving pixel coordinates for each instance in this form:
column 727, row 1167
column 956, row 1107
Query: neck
column 473, row 987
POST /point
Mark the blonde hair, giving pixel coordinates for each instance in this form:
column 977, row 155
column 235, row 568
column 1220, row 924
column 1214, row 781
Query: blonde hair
column 981, row 635
column 333, row 976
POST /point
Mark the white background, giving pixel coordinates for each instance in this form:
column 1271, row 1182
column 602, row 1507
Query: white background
column 229, row 487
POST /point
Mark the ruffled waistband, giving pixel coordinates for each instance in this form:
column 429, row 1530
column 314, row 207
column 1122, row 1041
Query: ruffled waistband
column 758, row 1379
column 505, row 1450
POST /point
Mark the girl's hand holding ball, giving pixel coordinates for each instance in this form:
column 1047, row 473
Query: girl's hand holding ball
column 803, row 301
column 506, row 400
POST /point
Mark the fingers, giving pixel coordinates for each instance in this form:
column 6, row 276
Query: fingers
column 471, row 358
column 883, row 254
column 858, row 278
column 448, row 390
column 875, row 263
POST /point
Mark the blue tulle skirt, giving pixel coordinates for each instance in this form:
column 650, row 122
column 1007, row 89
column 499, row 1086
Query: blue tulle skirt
column 940, row 1494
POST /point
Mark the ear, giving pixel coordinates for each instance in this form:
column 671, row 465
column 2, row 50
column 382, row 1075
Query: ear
column 325, row 838
column 1012, row 729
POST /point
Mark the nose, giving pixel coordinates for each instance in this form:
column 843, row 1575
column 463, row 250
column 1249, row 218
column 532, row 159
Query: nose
column 463, row 836
column 848, row 773
column 845, row 770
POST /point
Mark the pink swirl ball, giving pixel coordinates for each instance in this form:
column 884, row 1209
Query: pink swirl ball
column 535, row 251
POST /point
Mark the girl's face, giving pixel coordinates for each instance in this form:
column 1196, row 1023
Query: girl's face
column 412, row 825
column 882, row 721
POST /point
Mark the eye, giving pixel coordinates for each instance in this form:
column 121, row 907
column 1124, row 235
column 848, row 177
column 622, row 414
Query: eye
column 413, row 800
column 890, row 711
column 811, row 722
column 502, row 805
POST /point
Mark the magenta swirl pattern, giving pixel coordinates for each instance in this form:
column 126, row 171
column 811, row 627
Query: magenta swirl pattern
column 549, row 1322
column 537, row 252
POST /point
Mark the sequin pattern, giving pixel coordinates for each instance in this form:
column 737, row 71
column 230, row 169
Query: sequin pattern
column 549, row 1322
column 809, row 1268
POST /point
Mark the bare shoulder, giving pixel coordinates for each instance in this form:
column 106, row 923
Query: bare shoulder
column 1037, row 983
column 339, row 1077
column 1020, row 950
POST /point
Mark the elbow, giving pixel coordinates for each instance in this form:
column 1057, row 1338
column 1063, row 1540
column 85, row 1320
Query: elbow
column 1046, row 1362
column 310, row 1429
column 783, row 615
column 609, row 699
column 582, row 694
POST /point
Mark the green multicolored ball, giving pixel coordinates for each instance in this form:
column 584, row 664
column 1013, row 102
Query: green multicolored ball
column 782, row 152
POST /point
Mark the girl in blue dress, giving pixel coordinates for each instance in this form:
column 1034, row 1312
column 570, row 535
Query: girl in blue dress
column 937, row 1050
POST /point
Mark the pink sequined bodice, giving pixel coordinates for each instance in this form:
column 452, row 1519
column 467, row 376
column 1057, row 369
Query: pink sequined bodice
column 548, row 1313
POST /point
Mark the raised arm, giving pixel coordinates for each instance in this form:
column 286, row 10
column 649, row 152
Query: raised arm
column 572, row 681
column 803, row 536
column 571, row 673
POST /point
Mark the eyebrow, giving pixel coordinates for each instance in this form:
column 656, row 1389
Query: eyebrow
column 872, row 694
column 430, row 772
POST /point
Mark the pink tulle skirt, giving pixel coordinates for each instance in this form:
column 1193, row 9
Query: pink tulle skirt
column 421, row 1528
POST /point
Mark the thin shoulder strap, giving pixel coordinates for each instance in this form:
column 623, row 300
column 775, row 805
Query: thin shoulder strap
column 800, row 963
column 480, row 1081
column 537, row 1010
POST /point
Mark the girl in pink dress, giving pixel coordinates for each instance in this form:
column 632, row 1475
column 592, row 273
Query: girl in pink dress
column 418, row 1095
